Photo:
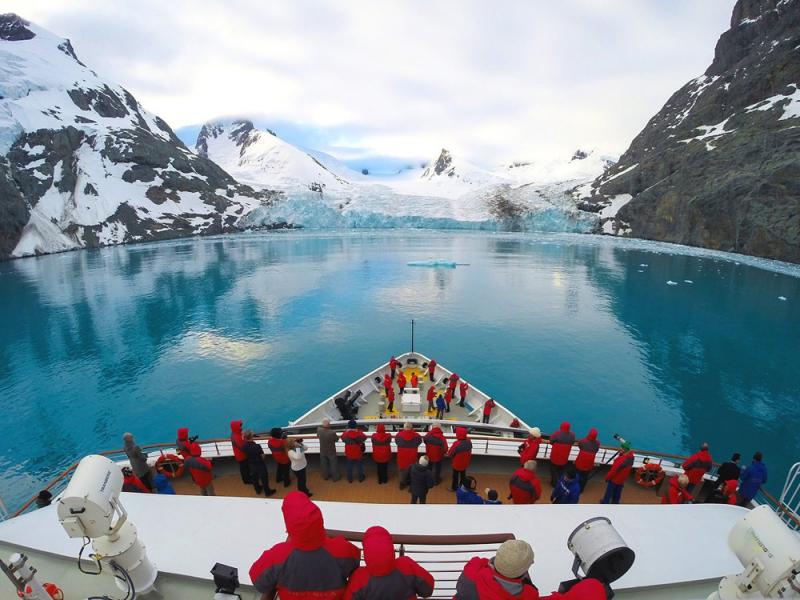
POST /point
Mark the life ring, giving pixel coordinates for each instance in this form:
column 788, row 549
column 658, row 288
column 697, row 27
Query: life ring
column 649, row 475
column 51, row 588
column 170, row 465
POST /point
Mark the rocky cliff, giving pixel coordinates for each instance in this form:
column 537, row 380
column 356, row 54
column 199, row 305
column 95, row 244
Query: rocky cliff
column 719, row 165
column 82, row 164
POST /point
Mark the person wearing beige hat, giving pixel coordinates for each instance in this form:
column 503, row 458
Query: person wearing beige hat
column 505, row 577
column 529, row 449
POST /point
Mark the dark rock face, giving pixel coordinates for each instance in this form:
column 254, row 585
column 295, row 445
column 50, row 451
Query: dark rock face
column 14, row 212
column 443, row 163
column 579, row 155
column 719, row 165
column 14, row 29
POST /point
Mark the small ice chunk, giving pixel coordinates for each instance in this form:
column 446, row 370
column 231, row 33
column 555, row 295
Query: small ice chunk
column 640, row 270
column 688, row 281
column 782, row 298
column 670, row 282
column 643, row 265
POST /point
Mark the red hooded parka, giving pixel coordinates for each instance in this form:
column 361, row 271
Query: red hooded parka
column 587, row 450
column 237, row 441
column 561, row 442
column 461, row 450
column 407, row 442
column 381, row 445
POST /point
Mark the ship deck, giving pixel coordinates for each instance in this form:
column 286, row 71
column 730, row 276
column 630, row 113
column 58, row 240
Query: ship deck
column 489, row 472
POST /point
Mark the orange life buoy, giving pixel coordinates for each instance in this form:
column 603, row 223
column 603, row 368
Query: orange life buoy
column 51, row 588
column 649, row 475
column 170, row 465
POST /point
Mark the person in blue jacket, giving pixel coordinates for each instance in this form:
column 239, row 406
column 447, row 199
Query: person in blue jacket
column 751, row 479
column 162, row 485
column 441, row 405
column 568, row 488
column 466, row 494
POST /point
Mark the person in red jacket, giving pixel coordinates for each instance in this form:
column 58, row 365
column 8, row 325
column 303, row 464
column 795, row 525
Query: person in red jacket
column 452, row 382
column 131, row 483
column 697, row 465
column 393, row 363
column 487, row 409
column 676, row 491
column 463, row 387
column 729, row 491
column 386, row 577
column 401, row 382
column 584, row 462
column 431, row 397
column 382, row 452
column 308, row 564
column 390, row 400
column 524, row 486
column 182, row 444
column 277, row 445
column 460, row 455
column 435, row 449
column 448, row 398
column 201, row 471
column 354, row 441
column 387, row 383
column 529, row 449
column 237, row 443
column 505, row 577
column 618, row 475
column 432, row 369
column 407, row 442
column 560, row 447
column 414, row 380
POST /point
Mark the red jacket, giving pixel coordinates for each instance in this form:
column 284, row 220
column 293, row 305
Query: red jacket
column 676, row 494
column 131, row 483
column 401, row 380
column 414, row 380
column 435, row 445
column 432, row 367
column 525, row 487
column 431, row 394
column 561, row 442
column 278, row 448
column 463, row 387
column 697, row 465
column 390, row 394
column 237, row 441
column 488, row 406
column 353, row 440
column 182, row 443
column 393, row 363
column 199, row 468
column 387, row 381
column 621, row 468
column 448, row 395
column 479, row 581
column 381, row 445
column 587, row 450
column 530, row 449
column 730, row 491
column 385, row 576
column 453, row 382
column 407, row 442
column 461, row 450
column 309, row 565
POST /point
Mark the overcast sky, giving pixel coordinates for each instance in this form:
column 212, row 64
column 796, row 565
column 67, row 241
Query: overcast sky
column 492, row 80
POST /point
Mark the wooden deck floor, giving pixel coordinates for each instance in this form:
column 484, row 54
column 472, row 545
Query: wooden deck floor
column 489, row 473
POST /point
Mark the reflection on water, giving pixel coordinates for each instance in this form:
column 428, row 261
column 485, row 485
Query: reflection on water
column 149, row 338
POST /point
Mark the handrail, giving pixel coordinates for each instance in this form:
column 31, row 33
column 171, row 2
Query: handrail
column 465, row 539
column 775, row 503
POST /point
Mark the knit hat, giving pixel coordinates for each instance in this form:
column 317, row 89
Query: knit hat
column 351, row 424
column 423, row 460
column 513, row 558
column 535, row 432
column 626, row 445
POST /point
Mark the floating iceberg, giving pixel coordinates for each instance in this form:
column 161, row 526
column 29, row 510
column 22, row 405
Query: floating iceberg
column 670, row 282
column 437, row 262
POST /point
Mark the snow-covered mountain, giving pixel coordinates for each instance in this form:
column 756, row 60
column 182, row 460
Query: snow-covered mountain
column 320, row 192
column 718, row 166
column 83, row 164
column 260, row 157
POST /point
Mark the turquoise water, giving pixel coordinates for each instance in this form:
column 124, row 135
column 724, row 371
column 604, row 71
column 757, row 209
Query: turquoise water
column 151, row 337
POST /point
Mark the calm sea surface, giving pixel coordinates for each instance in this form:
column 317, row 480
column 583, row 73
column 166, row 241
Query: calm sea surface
column 195, row 333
